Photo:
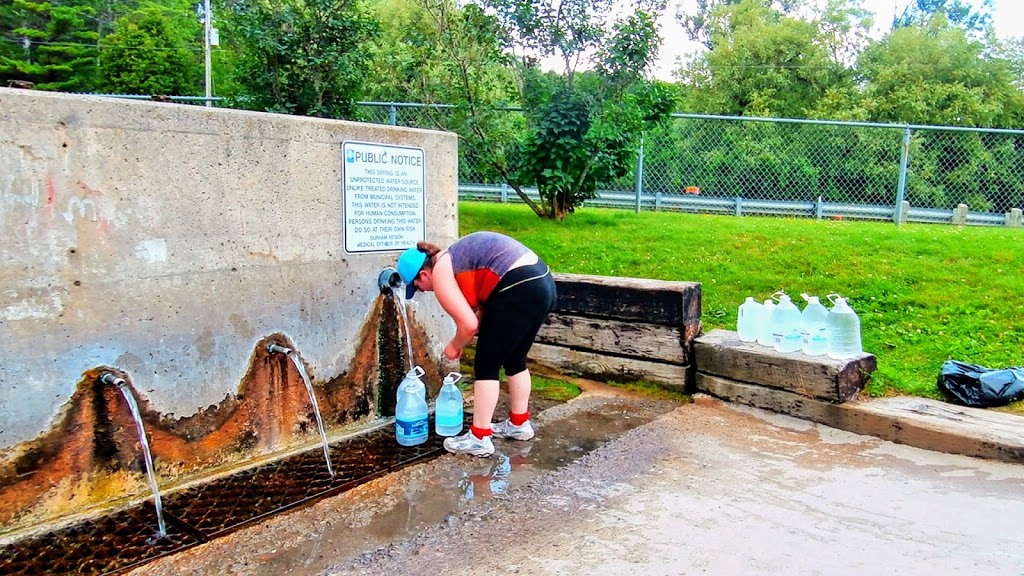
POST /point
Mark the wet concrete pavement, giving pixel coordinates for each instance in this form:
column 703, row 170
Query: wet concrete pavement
column 703, row 488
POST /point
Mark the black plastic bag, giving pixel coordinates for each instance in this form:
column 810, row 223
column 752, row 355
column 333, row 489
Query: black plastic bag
column 979, row 386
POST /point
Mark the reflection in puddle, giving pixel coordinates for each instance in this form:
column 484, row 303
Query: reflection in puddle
column 467, row 480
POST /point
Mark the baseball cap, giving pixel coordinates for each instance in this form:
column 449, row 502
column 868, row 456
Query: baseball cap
column 409, row 264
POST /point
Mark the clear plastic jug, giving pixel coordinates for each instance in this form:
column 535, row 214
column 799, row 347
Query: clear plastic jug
column 764, row 332
column 843, row 327
column 749, row 319
column 448, row 409
column 411, row 412
column 786, row 326
column 812, row 327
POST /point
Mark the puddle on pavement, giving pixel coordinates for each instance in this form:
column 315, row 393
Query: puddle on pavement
column 454, row 483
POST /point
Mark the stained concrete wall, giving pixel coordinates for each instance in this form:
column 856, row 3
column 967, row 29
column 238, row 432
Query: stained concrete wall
column 166, row 240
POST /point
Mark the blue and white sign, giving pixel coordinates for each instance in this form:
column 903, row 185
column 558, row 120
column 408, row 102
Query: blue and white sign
column 383, row 194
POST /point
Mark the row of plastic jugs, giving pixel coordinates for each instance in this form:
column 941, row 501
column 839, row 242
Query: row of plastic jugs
column 815, row 331
column 412, row 413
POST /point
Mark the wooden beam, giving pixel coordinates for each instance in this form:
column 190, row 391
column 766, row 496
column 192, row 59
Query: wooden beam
column 722, row 353
column 610, row 368
column 652, row 301
column 633, row 339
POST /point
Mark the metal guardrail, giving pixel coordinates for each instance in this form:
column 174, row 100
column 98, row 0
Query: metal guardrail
column 792, row 167
column 693, row 203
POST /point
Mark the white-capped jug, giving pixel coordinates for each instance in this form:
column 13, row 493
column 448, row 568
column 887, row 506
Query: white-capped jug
column 749, row 319
column 843, row 327
column 813, row 333
column 786, row 326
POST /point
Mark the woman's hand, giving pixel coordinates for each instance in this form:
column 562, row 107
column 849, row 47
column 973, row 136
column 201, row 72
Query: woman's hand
column 452, row 351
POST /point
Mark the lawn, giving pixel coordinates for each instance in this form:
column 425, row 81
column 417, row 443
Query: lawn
column 925, row 293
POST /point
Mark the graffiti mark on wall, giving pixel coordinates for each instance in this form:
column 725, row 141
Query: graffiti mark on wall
column 84, row 208
column 9, row 194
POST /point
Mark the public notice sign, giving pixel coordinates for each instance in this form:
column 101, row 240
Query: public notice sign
column 383, row 195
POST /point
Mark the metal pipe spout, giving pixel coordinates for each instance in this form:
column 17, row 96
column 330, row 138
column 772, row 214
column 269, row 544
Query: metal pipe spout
column 112, row 379
column 278, row 349
column 388, row 280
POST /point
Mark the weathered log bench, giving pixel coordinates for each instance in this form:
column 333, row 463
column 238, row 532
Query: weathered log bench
column 722, row 359
column 622, row 329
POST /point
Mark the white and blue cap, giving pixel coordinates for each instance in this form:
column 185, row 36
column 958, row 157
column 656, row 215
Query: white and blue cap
column 409, row 265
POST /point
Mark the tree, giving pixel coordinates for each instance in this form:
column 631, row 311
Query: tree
column 57, row 48
column 706, row 17
column 937, row 74
column 305, row 57
column 579, row 130
column 976, row 22
column 765, row 63
column 146, row 54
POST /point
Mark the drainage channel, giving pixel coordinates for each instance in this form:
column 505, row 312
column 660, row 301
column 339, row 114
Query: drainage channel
column 126, row 539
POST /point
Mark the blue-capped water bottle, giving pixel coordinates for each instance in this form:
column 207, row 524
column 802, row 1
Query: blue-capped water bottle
column 411, row 412
column 448, row 410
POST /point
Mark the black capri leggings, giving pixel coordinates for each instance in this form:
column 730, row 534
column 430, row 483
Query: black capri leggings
column 511, row 319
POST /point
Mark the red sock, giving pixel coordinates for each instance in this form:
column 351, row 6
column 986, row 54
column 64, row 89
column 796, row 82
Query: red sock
column 518, row 419
column 480, row 433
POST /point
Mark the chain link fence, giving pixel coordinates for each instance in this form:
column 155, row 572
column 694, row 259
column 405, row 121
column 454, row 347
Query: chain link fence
column 771, row 166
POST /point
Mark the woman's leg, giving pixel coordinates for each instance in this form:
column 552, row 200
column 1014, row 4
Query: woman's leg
column 519, row 392
column 485, row 400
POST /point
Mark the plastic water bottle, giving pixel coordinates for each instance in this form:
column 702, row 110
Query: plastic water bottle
column 786, row 326
column 748, row 321
column 411, row 412
column 448, row 416
column 843, row 327
column 764, row 332
column 812, row 327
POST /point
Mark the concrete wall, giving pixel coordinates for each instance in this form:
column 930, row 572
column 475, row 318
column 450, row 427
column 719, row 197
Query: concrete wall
column 167, row 240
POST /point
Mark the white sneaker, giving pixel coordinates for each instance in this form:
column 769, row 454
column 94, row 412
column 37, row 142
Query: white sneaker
column 469, row 444
column 506, row 429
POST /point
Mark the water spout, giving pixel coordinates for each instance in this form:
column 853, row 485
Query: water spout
column 277, row 349
column 114, row 380
column 388, row 280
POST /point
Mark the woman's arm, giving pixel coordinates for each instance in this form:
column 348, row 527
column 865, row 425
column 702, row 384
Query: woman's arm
column 454, row 303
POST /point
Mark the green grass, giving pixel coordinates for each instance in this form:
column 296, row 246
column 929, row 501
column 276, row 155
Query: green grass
column 552, row 389
column 924, row 293
column 653, row 390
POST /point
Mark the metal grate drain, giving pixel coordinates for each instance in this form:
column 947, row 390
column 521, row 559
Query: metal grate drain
column 125, row 539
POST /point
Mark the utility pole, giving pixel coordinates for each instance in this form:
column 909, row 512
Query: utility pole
column 207, row 25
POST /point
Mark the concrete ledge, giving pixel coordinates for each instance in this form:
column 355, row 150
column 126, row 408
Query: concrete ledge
column 918, row 422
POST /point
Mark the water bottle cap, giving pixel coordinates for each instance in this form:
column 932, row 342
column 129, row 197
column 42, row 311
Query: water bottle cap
column 415, row 372
column 810, row 299
column 750, row 299
column 784, row 298
column 452, row 378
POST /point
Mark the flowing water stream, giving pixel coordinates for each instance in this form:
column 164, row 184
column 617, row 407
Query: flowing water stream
column 144, row 442
column 316, row 409
column 399, row 297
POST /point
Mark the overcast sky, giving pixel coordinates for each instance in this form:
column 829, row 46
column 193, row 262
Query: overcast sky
column 1007, row 15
